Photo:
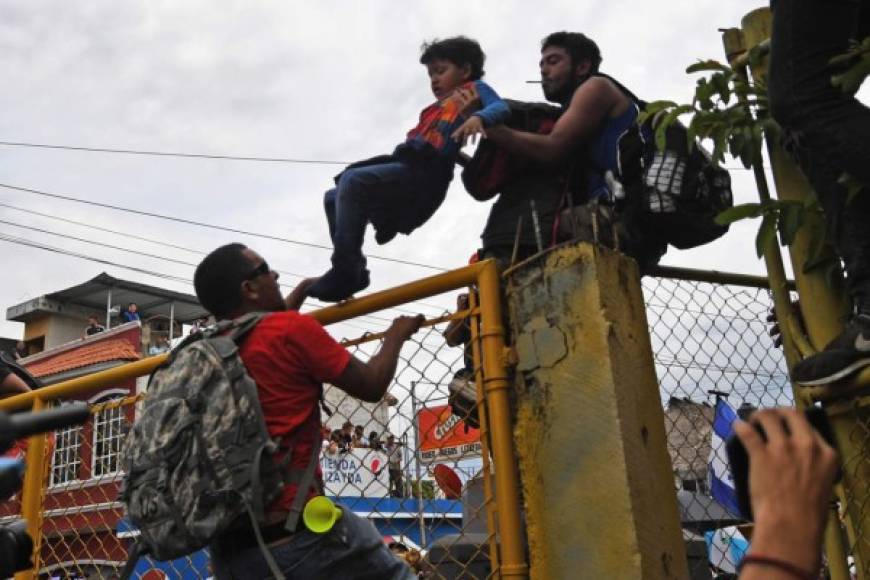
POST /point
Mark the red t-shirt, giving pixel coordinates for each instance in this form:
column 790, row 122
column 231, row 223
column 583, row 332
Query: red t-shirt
column 289, row 355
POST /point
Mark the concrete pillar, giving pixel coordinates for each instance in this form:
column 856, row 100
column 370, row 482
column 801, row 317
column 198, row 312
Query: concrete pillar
column 597, row 479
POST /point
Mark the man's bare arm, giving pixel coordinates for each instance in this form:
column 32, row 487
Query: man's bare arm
column 369, row 381
column 295, row 299
column 591, row 104
column 12, row 385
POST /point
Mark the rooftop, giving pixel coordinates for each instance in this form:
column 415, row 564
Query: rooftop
column 109, row 346
column 103, row 291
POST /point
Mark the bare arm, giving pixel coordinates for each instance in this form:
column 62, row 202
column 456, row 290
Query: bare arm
column 295, row 299
column 457, row 331
column 592, row 103
column 12, row 385
column 368, row 381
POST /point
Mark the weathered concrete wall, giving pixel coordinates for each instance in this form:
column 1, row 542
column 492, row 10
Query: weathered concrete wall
column 597, row 480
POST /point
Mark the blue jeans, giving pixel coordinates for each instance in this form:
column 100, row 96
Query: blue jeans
column 394, row 197
column 826, row 130
column 352, row 550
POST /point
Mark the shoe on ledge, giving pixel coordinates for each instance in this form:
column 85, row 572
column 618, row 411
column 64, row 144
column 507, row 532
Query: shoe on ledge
column 847, row 354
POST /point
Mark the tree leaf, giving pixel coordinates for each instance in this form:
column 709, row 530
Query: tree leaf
column 739, row 212
column 666, row 122
column 707, row 65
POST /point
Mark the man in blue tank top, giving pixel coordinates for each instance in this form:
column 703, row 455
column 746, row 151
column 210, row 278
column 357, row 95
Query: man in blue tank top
column 597, row 112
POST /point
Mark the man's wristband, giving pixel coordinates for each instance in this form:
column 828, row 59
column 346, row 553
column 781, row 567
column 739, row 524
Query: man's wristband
column 781, row 565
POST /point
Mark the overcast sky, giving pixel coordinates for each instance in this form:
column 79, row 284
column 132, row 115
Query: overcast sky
column 326, row 80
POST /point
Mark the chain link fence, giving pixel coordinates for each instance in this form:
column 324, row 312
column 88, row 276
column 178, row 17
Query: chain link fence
column 710, row 345
column 417, row 464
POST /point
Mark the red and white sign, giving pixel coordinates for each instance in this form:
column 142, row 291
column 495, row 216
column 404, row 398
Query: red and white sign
column 357, row 472
column 444, row 436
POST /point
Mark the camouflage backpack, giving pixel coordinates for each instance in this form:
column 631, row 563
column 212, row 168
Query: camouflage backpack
column 199, row 457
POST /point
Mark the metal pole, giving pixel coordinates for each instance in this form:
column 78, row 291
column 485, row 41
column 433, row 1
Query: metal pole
column 496, row 385
column 31, row 493
column 171, row 321
column 109, row 309
column 417, row 464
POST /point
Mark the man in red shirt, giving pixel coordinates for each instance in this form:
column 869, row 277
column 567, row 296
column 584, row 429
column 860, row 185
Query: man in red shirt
column 289, row 355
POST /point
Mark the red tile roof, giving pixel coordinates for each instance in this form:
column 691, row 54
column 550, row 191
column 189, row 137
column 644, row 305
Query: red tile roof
column 86, row 355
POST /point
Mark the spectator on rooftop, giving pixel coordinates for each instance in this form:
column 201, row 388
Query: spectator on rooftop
column 93, row 327
column 131, row 313
column 21, row 350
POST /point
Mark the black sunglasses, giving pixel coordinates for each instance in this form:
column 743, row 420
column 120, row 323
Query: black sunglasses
column 263, row 268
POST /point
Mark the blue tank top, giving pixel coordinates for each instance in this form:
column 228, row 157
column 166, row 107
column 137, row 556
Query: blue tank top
column 603, row 154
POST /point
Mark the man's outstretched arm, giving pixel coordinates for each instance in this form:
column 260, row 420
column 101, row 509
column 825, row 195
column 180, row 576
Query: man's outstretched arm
column 590, row 106
column 369, row 381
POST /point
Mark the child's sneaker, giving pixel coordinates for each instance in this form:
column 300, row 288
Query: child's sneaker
column 846, row 354
column 338, row 285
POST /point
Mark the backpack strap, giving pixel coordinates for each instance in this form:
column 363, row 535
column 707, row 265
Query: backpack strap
column 623, row 89
column 244, row 324
column 305, row 480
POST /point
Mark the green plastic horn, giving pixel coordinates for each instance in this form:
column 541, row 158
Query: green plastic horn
column 320, row 514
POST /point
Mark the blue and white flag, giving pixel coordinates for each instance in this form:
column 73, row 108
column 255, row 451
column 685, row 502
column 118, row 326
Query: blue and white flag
column 721, row 480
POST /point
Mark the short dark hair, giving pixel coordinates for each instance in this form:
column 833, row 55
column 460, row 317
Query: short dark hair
column 218, row 279
column 459, row 50
column 578, row 46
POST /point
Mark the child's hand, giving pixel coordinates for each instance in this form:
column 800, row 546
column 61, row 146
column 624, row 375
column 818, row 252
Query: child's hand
column 468, row 130
column 466, row 99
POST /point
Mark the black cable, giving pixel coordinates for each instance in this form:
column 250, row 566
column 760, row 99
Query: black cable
column 103, row 229
column 205, row 225
column 173, row 154
column 25, row 242
column 147, row 255
column 161, row 243
column 208, row 155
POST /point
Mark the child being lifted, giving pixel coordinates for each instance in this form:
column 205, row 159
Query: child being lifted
column 400, row 192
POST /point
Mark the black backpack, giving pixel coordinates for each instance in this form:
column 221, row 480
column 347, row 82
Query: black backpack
column 672, row 194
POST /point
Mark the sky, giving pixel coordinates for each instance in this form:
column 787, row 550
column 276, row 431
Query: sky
column 326, row 81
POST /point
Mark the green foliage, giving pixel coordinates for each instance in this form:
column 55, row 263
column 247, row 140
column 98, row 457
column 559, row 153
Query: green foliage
column 778, row 216
column 727, row 109
column 426, row 485
column 731, row 112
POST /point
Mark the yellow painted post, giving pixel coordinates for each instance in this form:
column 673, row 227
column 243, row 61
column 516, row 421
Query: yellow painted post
column 32, row 493
column 597, row 480
column 496, row 385
column 824, row 308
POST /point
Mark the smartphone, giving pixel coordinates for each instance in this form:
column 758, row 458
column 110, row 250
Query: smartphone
column 739, row 460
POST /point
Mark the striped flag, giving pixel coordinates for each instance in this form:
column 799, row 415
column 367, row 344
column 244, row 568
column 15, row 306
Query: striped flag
column 721, row 480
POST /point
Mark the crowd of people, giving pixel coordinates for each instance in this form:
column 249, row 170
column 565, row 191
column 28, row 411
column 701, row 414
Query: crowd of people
column 351, row 436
